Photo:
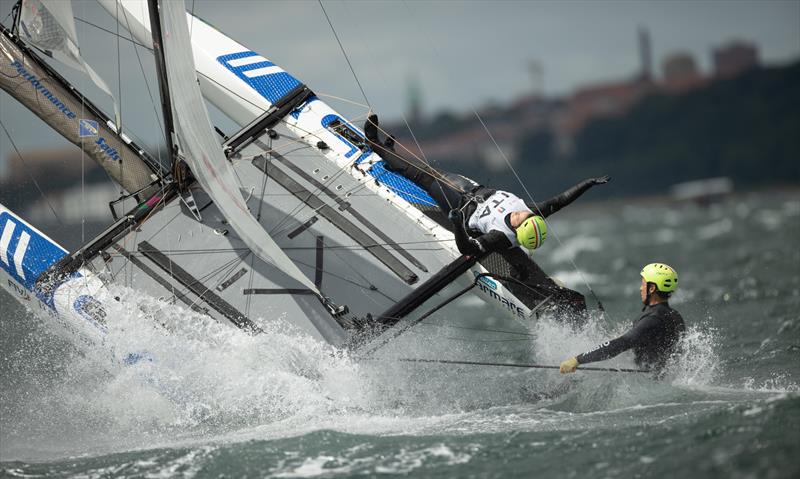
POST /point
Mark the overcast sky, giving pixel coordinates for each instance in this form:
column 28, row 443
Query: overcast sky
column 462, row 54
column 466, row 53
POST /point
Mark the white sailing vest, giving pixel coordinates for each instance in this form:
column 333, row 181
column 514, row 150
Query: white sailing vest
column 491, row 214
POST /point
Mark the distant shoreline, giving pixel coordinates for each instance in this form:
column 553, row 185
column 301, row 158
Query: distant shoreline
column 605, row 203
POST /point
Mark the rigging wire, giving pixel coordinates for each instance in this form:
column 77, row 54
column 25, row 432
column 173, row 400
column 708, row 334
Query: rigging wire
column 452, row 326
column 119, row 87
column 398, row 331
column 6, row 17
column 146, row 83
column 437, row 176
column 83, row 155
column 258, row 219
column 30, row 175
column 342, row 99
column 191, row 25
column 402, row 115
column 81, row 20
column 516, row 175
column 495, row 364
column 119, row 72
column 557, row 237
column 470, row 340
column 352, row 70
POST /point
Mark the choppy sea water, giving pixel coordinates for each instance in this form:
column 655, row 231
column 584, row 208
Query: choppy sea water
column 217, row 403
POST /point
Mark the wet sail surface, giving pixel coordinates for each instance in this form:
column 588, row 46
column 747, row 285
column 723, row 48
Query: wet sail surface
column 197, row 141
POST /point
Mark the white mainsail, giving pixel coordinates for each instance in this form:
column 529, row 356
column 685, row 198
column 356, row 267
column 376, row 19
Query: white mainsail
column 200, row 149
column 50, row 25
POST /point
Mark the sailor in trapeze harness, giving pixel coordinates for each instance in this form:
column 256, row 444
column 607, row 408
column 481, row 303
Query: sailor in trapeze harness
column 486, row 220
column 655, row 335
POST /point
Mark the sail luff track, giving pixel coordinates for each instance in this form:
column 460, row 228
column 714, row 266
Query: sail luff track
column 161, row 74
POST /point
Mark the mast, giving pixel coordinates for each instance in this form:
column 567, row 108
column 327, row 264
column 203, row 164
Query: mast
column 161, row 72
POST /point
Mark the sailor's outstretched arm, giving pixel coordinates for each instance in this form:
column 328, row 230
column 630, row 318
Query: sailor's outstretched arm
column 609, row 349
column 612, row 348
column 547, row 208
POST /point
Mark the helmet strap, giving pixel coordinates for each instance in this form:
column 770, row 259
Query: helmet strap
column 647, row 296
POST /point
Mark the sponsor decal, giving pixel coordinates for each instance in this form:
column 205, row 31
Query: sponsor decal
column 25, row 254
column 107, row 149
column 19, row 290
column 37, row 84
column 490, row 289
column 599, row 346
column 87, row 128
column 486, row 280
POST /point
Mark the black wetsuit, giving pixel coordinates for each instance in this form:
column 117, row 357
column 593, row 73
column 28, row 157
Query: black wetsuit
column 654, row 338
column 456, row 192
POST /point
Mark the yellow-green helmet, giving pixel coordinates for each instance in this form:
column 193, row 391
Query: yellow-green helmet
column 532, row 232
column 663, row 276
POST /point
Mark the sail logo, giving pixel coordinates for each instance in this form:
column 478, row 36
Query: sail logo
column 263, row 76
column 37, row 85
column 87, row 128
column 108, row 149
column 24, row 252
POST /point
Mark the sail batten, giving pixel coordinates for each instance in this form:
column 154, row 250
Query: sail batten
column 198, row 145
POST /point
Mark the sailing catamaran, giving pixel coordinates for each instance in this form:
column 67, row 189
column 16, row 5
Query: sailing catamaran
column 287, row 217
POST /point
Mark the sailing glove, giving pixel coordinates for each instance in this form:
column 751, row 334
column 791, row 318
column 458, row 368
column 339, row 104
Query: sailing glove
column 601, row 180
column 569, row 366
column 389, row 142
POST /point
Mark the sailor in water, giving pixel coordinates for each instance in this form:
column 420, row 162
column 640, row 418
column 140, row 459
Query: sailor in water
column 484, row 220
column 654, row 336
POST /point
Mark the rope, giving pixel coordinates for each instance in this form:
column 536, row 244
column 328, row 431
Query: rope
column 516, row 175
column 146, row 83
column 112, row 33
column 438, row 177
column 83, row 156
column 505, row 365
column 352, row 70
column 342, row 99
column 536, row 207
column 452, row 298
column 27, row 171
column 434, row 173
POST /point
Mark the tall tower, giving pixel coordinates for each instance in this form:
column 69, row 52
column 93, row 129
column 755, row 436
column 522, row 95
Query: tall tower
column 645, row 54
column 414, row 113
